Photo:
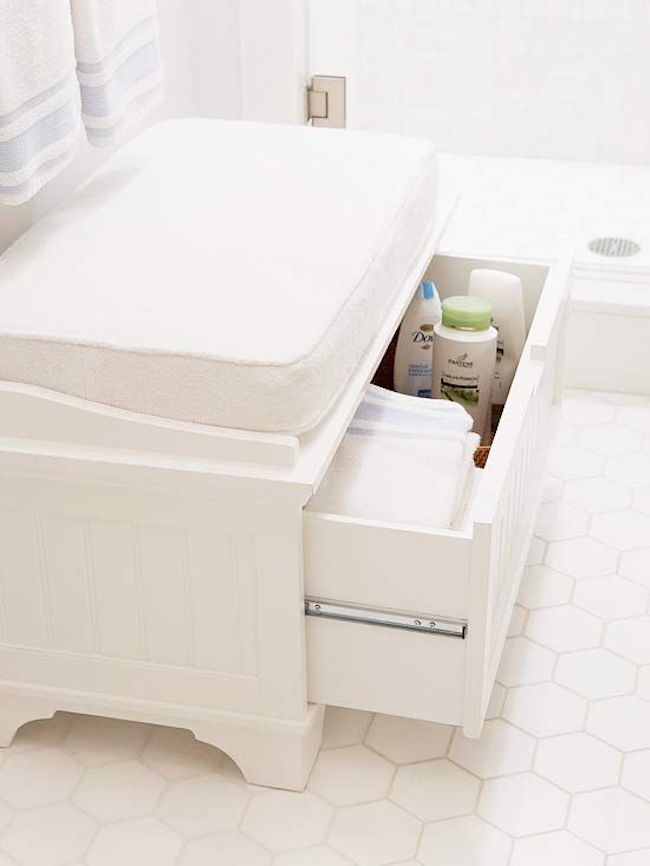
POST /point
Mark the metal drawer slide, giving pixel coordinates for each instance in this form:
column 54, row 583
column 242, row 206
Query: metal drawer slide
column 368, row 616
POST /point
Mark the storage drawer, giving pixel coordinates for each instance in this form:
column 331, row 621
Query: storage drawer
column 412, row 621
column 388, row 670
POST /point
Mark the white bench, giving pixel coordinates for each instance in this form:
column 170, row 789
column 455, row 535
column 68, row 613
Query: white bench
column 158, row 570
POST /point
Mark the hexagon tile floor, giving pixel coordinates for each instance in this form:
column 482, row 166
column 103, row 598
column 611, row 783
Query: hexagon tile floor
column 561, row 775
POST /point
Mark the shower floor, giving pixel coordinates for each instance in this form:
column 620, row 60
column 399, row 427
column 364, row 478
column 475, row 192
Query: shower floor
column 561, row 774
column 542, row 210
column 527, row 207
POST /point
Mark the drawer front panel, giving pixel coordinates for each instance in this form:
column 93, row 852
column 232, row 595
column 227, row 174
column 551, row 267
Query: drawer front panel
column 505, row 508
column 530, row 442
column 514, row 517
column 393, row 567
column 385, row 670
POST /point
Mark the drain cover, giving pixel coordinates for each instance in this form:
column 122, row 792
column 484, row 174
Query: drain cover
column 616, row 248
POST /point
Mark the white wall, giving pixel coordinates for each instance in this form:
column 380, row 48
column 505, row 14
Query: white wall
column 566, row 79
column 273, row 39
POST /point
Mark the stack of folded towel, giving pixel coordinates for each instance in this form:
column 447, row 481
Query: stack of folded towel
column 402, row 460
column 63, row 62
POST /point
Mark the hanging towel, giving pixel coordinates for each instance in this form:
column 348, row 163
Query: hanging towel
column 39, row 96
column 118, row 64
column 56, row 55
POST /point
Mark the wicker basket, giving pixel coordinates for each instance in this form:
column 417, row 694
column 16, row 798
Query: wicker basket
column 481, row 455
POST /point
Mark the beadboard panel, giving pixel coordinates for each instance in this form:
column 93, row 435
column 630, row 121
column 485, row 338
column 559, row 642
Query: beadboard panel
column 22, row 593
column 129, row 590
column 116, row 594
column 105, row 577
column 66, row 583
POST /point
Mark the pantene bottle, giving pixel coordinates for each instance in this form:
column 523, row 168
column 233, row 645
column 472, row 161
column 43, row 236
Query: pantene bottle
column 464, row 355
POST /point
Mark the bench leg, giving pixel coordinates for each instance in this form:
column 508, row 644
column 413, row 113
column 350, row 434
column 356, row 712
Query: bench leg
column 269, row 752
column 16, row 711
column 272, row 752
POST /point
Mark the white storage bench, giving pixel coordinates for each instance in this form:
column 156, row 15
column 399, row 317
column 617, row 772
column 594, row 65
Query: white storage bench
column 170, row 571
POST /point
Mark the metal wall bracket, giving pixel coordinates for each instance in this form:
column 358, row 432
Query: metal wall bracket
column 368, row 616
column 326, row 101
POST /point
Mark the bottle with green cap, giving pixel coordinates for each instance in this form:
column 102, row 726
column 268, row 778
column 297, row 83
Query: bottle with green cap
column 464, row 357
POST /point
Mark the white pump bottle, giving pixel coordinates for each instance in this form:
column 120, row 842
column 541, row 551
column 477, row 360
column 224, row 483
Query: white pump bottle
column 504, row 292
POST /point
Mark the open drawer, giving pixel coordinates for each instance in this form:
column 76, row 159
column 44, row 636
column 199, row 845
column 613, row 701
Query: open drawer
column 411, row 621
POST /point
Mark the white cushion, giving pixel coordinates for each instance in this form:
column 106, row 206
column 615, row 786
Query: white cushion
column 224, row 273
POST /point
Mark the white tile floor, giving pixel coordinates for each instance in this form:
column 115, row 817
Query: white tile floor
column 561, row 775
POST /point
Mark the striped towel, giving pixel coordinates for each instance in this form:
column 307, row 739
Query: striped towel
column 118, row 64
column 62, row 61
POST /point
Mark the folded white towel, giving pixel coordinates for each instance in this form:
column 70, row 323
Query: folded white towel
column 388, row 408
column 404, row 465
column 411, row 404
column 52, row 52
column 397, row 479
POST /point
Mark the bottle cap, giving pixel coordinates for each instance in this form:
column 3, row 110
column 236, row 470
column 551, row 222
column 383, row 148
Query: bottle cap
column 467, row 313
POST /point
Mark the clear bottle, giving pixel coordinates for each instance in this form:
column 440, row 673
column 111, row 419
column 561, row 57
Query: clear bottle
column 464, row 357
